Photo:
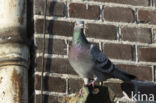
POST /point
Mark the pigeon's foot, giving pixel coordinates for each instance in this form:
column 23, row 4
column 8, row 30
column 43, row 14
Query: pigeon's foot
column 80, row 93
column 92, row 83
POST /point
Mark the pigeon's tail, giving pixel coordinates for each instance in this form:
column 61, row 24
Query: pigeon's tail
column 123, row 75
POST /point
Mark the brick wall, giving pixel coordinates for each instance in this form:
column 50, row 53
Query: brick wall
column 124, row 29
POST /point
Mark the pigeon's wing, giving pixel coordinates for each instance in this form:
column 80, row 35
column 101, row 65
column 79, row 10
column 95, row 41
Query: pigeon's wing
column 102, row 63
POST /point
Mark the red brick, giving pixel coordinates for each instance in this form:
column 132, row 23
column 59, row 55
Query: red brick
column 147, row 54
column 129, row 2
column 145, row 72
column 154, row 36
column 55, row 65
column 115, row 14
column 77, row 10
column 118, row 51
column 53, row 8
column 62, row 28
column 74, row 85
column 48, row 99
column 52, row 46
column 54, row 84
column 136, row 34
column 147, row 16
column 101, row 31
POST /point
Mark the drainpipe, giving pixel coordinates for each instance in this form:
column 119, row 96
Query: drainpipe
column 14, row 52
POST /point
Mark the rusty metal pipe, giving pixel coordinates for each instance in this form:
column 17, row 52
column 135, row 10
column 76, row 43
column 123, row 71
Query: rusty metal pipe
column 14, row 55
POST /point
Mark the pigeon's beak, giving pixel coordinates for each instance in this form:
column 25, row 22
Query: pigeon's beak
column 81, row 25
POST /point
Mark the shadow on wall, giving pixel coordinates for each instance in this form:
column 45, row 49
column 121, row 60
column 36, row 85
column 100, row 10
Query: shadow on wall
column 48, row 50
column 47, row 61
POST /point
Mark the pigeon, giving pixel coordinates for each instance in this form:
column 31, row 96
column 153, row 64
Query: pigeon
column 89, row 62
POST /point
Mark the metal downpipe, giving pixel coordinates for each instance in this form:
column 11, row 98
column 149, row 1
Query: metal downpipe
column 14, row 52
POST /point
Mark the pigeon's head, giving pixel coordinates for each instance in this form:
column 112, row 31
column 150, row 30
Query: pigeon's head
column 79, row 24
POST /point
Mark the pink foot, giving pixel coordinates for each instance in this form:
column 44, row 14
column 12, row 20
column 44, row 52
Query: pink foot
column 80, row 92
column 92, row 84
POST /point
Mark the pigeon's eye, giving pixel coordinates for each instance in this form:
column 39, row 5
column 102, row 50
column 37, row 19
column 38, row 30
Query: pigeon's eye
column 76, row 24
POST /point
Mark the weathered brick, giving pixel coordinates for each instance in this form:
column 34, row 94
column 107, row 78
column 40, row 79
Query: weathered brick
column 53, row 8
column 145, row 72
column 62, row 28
column 136, row 34
column 154, row 36
column 115, row 14
column 55, row 65
column 54, row 84
column 52, row 46
column 147, row 54
column 74, row 85
column 147, row 16
column 118, row 51
column 48, row 99
column 77, row 10
column 130, row 2
column 101, row 31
